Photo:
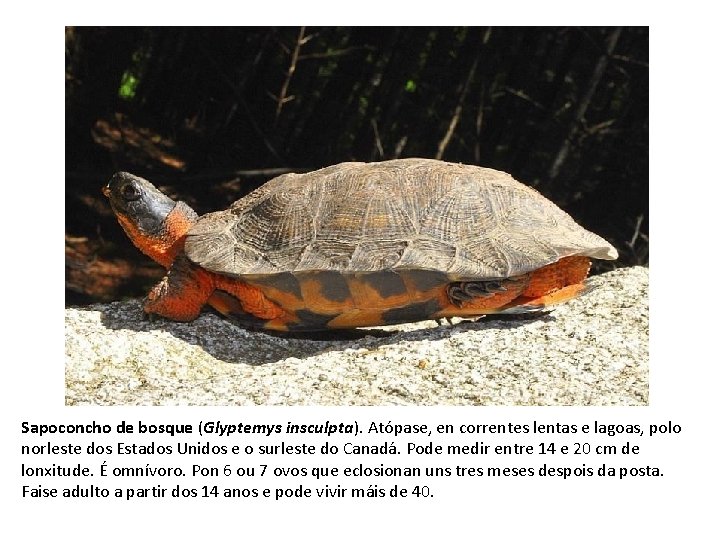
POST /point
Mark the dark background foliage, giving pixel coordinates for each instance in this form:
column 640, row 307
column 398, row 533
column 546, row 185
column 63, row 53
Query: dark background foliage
column 211, row 113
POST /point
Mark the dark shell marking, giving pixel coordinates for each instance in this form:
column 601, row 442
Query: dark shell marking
column 385, row 283
column 412, row 312
column 334, row 287
column 284, row 281
column 307, row 319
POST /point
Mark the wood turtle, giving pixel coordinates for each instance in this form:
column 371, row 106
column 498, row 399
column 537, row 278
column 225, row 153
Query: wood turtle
column 361, row 244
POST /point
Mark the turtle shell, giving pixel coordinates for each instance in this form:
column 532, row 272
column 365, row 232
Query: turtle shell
column 465, row 221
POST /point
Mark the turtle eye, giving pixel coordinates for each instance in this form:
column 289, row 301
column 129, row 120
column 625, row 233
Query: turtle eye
column 129, row 192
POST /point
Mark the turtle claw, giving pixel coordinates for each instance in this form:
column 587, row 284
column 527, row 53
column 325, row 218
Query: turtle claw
column 494, row 286
column 458, row 294
column 464, row 291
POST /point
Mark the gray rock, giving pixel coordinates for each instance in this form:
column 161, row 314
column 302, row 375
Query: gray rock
column 590, row 351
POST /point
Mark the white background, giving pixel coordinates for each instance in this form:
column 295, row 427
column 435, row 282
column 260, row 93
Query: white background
column 684, row 196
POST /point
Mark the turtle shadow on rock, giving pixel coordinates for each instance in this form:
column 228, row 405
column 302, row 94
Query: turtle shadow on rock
column 229, row 342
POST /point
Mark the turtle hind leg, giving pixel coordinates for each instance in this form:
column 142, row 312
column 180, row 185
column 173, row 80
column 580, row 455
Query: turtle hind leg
column 553, row 284
column 469, row 298
column 529, row 305
column 462, row 292
column 182, row 293
column 554, row 277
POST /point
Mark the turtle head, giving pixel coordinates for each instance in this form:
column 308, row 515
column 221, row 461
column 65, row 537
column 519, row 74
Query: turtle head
column 155, row 223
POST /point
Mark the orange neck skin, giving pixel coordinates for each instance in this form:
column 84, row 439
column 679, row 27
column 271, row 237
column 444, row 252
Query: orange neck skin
column 163, row 247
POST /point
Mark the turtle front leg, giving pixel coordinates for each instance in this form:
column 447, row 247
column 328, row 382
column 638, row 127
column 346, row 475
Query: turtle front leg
column 182, row 293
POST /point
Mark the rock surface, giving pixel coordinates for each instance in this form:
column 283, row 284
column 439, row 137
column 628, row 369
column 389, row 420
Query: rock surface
column 591, row 351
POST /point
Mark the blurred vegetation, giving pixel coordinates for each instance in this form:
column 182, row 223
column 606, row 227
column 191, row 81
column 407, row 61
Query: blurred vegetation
column 211, row 113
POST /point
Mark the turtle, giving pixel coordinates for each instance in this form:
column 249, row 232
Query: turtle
column 361, row 244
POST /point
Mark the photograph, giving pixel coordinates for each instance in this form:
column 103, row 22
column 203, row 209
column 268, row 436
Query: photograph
column 357, row 215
